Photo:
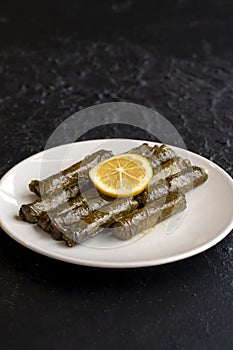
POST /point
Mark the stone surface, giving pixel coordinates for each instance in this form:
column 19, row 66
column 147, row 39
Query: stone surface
column 60, row 57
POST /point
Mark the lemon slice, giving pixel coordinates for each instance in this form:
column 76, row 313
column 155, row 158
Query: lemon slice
column 122, row 176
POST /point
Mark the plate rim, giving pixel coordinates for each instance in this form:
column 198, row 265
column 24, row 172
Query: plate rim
column 129, row 264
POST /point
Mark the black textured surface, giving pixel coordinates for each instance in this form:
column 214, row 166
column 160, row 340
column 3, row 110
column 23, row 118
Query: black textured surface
column 56, row 58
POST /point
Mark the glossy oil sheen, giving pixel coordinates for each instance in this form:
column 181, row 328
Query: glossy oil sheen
column 187, row 234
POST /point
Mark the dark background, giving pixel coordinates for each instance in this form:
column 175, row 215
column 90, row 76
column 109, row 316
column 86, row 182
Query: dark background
column 57, row 57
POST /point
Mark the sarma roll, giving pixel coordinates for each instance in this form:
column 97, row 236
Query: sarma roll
column 70, row 214
column 145, row 218
column 92, row 223
column 33, row 211
column 183, row 181
column 69, row 176
column 93, row 200
column 72, row 209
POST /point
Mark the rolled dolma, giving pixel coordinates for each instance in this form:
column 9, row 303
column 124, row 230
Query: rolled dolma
column 170, row 167
column 145, row 218
column 91, row 224
column 155, row 191
column 33, row 211
column 148, row 152
column 165, row 203
column 69, row 176
column 183, row 181
column 156, row 155
column 73, row 211
column 78, row 172
column 163, row 153
column 188, row 179
column 144, row 150
column 92, row 200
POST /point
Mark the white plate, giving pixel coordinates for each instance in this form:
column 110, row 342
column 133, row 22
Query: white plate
column 207, row 219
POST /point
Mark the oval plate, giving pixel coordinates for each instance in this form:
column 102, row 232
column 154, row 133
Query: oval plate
column 206, row 221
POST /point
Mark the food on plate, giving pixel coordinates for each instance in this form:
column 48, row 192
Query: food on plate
column 188, row 179
column 92, row 200
column 143, row 219
column 91, row 224
column 72, row 212
column 180, row 182
column 69, row 176
column 33, row 211
column 183, row 181
column 75, row 206
column 78, row 172
column 156, row 155
column 170, row 167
